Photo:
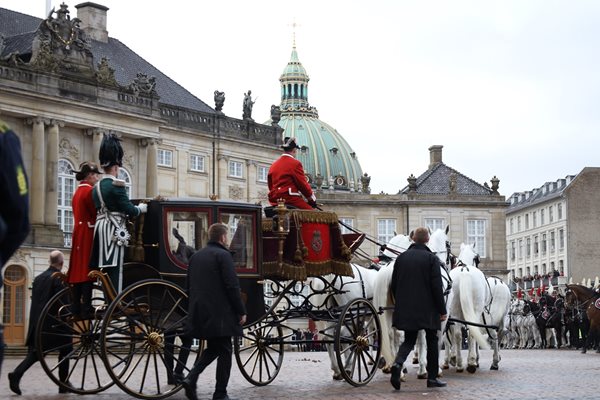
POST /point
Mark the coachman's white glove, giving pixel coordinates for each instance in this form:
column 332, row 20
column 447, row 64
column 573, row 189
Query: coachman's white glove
column 143, row 207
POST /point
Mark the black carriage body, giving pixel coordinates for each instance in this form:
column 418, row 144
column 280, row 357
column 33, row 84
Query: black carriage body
column 173, row 229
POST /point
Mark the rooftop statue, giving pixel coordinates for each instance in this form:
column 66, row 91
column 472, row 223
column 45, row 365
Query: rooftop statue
column 219, row 101
column 247, row 106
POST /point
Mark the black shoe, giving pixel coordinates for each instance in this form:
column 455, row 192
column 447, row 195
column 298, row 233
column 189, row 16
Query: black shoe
column 435, row 383
column 395, row 378
column 222, row 398
column 175, row 379
column 13, row 382
column 66, row 388
column 190, row 389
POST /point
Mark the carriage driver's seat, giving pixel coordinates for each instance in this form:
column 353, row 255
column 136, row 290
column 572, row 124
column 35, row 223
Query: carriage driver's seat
column 270, row 211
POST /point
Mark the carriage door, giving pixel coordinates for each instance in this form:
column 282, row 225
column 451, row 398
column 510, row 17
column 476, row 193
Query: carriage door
column 14, row 305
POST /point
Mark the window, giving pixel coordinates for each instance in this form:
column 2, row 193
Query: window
column 386, row 229
column 512, row 250
column 561, row 267
column 544, row 270
column 512, row 225
column 552, row 241
column 66, row 188
column 552, row 266
column 542, row 222
column 561, row 239
column 262, row 174
column 528, row 248
column 535, row 270
column 476, row 234
column 528, row 270
column 544, row 243
column 197, row 163
column 346, row 221
column 534, row 219
column 165, row 158
column 124, row 176
column 518, row 224
column 435, row 223
column 536, row 246
column 550, row 214
column 235, row 169
column 520, row 249
column 526, row 221
column 559, row 210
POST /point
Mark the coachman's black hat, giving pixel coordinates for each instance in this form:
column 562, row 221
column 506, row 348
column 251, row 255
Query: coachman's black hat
column 111, row 152
column 85, row 168
column 289, row 143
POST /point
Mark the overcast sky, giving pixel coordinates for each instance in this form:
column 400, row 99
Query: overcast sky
column 509, row 88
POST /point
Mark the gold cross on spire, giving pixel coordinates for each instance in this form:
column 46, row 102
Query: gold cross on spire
column 294, row 25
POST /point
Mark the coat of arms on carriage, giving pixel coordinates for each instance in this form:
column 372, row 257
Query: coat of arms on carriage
column 317, row 242
column 597, row 304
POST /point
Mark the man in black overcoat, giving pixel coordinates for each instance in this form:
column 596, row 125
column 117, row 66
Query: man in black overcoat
column 45, row 286
column 215, row 311
column 418, row 292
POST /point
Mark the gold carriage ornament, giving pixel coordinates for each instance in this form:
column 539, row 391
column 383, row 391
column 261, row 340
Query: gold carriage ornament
column 281, row 228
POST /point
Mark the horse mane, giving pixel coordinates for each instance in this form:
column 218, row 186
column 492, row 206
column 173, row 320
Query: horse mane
column 586, row 290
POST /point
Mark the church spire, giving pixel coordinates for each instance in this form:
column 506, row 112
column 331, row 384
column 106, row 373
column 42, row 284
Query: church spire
column 294, row 87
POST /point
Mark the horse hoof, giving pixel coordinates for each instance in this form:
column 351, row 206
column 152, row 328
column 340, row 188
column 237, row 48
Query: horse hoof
column 337, row 377
column 415, row 360
column 381, row 363
column 386, row 370
column 445, row 366
column 404, row 370
column 471, row 369
column 494, row 368
column 422, row 376
column 459, row 370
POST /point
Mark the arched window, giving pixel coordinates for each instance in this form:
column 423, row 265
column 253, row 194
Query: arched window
column 66, row 188
column 124, row 175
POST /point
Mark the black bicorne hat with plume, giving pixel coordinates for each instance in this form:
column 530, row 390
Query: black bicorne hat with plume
column 111, row 152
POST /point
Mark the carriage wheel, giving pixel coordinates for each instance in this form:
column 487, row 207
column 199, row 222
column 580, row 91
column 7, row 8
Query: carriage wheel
column 77, row 340
column 143, row 329
column 356, row 334
column 259, row 352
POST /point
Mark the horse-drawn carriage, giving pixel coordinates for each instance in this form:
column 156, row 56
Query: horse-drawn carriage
column 135, row 339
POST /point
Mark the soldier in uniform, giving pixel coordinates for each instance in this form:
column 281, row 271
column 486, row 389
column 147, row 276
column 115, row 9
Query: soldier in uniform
column 287, row 179
column 84, row 214
column 14, row 203
column 113, row 206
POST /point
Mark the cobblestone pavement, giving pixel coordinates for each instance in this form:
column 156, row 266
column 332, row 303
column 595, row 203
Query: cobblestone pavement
column 523, row 375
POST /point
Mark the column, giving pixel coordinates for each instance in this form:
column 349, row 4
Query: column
column 151, row 169
column 251, row 167
column 97, row 135
column 51, row 201
column 38, row 169
column 222, row 191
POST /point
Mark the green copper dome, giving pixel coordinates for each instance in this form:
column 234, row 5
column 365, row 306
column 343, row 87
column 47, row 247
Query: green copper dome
column 324, row 153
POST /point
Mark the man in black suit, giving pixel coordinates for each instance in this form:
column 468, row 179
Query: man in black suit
column 215, row 311
column 45, row 286
column 14, row 203
column 418, row 291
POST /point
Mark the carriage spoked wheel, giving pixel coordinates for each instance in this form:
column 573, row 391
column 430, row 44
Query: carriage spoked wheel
column 259, row 352
column 68, row 346
column 143, row 342
column 355, row 342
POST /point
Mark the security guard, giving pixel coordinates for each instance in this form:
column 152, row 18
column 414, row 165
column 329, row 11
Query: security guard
column 14, row 202
column 287, row 179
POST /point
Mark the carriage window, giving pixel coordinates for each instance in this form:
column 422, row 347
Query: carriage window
column 242, row 228
column 187, row 232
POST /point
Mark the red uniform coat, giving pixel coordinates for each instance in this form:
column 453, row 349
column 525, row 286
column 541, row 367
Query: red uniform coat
column 84, row 216
column 287, row 181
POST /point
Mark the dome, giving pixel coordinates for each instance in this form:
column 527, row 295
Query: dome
column 328, row 159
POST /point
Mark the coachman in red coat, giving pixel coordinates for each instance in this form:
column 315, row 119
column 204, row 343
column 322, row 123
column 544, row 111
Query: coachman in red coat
column 84, row 216
column 287, row 179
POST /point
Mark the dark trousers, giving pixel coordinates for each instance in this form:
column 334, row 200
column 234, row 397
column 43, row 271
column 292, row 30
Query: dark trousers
column 82, row 293
column 32, row 357
column 170, row 350
column 410, row 338
column 218, row 348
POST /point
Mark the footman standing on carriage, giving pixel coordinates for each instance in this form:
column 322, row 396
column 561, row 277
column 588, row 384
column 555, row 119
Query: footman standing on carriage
column 417, row 288
column 287, row 179
column 84, row 215
column 113, row 206
column 215, row 311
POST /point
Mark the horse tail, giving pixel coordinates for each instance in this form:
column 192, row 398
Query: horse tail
column 468, row 309
column 381, row 298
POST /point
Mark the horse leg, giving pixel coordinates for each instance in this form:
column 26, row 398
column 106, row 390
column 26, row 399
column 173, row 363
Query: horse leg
column 421, row 350
column 457, row 345
column 472, row 356
column 495, row 348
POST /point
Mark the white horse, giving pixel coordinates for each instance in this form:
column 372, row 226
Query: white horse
column 390, row 337
column 496, row 313
column 466, row 302
column 360, row 286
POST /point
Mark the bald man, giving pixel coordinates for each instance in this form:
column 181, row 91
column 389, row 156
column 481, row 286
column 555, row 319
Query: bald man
column 43, row 289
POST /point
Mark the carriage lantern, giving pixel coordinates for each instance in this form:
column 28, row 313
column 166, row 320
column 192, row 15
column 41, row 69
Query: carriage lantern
column 281, row 220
